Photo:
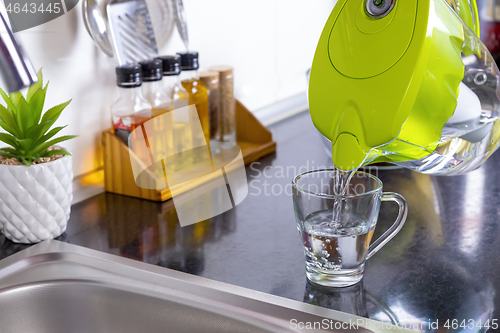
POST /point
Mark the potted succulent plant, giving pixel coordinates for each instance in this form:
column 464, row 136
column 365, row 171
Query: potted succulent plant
column 35, row 175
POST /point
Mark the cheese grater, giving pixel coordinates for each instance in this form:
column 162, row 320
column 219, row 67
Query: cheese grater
column 132, row 34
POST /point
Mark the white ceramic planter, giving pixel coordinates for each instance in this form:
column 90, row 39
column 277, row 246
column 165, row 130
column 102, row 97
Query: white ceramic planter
column 35, row 201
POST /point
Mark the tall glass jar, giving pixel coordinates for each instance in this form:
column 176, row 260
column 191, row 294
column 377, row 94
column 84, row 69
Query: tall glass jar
column 227, row 106
column 211, row 82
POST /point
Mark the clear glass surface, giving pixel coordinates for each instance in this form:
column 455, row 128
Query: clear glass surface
column 129, row 112
column 160, row 102
column 173, row 88
column 336, row 230
column 130, row 102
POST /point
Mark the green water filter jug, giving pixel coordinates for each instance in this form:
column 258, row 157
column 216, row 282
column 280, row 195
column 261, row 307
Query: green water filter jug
column 407, row 82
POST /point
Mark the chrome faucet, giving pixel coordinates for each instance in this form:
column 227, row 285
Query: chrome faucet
column 16, row 70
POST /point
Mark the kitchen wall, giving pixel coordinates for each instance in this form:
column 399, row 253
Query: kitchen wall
column 270, row 43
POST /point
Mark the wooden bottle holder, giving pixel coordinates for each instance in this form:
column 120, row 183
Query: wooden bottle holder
column 254, row 140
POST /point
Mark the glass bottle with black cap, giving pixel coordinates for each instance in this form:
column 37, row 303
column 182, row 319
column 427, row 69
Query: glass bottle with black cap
column 131, row 109
column 182, row 127
column 172, row 83
column 198, row 94
column 152, row 90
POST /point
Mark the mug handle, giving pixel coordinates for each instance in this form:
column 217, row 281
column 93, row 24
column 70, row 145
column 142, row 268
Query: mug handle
column 394, row 229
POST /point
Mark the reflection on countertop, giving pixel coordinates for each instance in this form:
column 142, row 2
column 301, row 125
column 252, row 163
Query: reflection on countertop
column 443, row 265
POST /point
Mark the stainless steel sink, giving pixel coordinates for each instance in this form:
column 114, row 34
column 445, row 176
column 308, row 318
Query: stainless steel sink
column 58, row 287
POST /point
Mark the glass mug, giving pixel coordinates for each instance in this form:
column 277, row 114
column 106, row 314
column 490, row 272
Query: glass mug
column 336, row 230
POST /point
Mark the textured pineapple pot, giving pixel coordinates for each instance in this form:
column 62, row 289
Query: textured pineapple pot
column 35, row 201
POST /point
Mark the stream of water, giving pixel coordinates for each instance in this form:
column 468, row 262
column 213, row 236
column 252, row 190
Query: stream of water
column 340, row 186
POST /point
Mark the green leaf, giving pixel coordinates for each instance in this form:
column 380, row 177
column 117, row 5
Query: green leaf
column 9, row 139
column 47, row 126
column 15, row 97
column 10, row 151
column 6, row 155
column 26, row 162
column 26, row 144
column 36, row 103
column 49, row 135
column 7, row 100
column 53, row 113
column 43, row 147
column 28, row 127
column 55, row 152
column 50, row 122
column 35, row 87
column 7, row 128
column 24, row 117
column 36, row 131
column 8, row 118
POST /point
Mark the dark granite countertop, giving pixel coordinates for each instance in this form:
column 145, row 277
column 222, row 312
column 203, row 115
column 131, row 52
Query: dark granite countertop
column 443, row 265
